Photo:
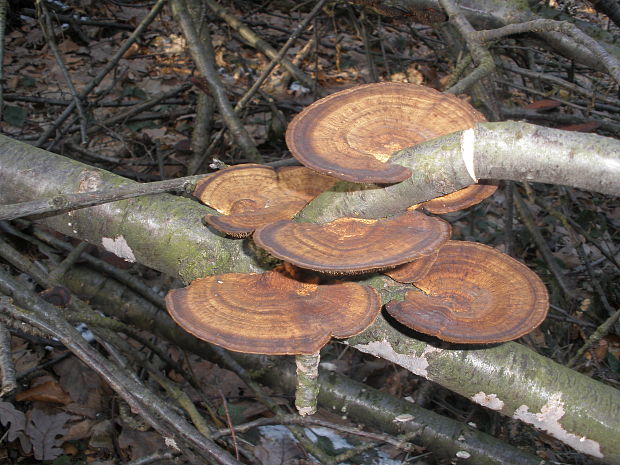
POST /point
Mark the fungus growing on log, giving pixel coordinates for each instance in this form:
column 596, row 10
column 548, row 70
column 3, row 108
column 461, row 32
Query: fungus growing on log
column 412, row 271
column 459, row 200
column 353, row 133
column 251, row 195
column 273, row 314
column 354, row 245
column 474, row 294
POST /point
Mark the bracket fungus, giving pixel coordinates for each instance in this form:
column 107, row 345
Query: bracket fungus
column 251, row 195
column 474, row 294
column 459, row 200
column 354, row 245
column 270, row 313
column 352, row 134
column 412, row 271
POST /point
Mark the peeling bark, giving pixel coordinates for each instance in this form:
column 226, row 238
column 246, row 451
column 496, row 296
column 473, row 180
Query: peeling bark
column 444, row 436
column 165, row 232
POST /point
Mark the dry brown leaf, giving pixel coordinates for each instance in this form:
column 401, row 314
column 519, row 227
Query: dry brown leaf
column 80, row 430
column 43, row 430
column 49, row 391
column 139, row 443
column 77, row 379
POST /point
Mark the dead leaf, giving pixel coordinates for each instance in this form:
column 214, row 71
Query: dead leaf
column 12, row 417
column 139, row 443
column 77, row 379
column 49, row 391
column 43, row 430
column 101, row 437
column 215, row 379
column 277, row 446
column 67, row 46
column 80, row 430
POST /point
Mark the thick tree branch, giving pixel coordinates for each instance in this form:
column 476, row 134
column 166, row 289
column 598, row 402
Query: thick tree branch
column 507, row 150
column 338, row 393
column 164, row 232
column 160, row 231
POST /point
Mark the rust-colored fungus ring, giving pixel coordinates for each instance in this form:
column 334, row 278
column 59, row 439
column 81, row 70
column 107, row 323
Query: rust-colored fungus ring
column 353, row 133
column 474, row 294
column 354, row 245
column 251, row 195
column 270, row 313
column 459, row 200
column 412, row 271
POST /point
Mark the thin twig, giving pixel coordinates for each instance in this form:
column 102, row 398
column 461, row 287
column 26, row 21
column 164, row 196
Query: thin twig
column 312, row 421
column 543, row 248
column 596, row 336
column 229, row 423
column 570, row 224
column 225, row 359
column 560, row 82
column 58, row 272
column 44, row 316
column 4, row 6
column 111, row 64
column 568, row 29
column 265, row 73
column 509, row 240
column 48, row 31
column 139, row 108
column 204, row 56
column 255, row 41
column 480, row 55
column 64, row 202
column 8, row 383
column 132, row 282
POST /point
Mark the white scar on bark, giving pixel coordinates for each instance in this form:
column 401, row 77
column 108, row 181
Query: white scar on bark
column 548, row 419
column 468, row 138
column 119, row 247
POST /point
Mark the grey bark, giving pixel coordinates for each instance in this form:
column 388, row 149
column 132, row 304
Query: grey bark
column 338, row 393
column 508, row 150
column 161, row 231
column 165, row 233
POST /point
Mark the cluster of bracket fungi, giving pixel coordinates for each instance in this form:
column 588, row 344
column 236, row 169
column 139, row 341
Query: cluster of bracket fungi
column 464, row 292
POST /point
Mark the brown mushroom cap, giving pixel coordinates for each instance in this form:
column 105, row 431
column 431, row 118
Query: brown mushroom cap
column 270, row 313
column 353, row 133
column 474, row 294
column 354, row 245
column 412, row 271
column 251, row 195
column 459, row 200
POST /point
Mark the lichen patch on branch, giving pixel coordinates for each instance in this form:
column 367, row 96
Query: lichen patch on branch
column 548, row 420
